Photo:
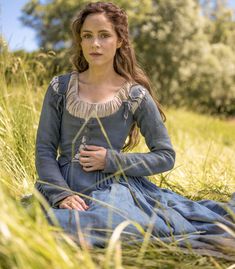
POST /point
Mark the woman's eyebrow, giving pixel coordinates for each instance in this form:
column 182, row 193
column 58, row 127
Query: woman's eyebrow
column 88, row 31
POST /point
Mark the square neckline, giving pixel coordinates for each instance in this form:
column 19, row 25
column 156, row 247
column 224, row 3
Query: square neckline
column 83, row 109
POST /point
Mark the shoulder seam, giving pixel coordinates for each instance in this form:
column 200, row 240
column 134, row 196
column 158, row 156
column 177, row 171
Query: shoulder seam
column 57, row 80
column 54, row 83
column 137, row 96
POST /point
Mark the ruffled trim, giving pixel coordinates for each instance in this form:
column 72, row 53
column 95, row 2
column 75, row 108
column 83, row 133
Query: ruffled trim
column 82, row 109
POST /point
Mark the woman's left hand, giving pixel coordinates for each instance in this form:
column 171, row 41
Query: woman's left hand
column 93, row 158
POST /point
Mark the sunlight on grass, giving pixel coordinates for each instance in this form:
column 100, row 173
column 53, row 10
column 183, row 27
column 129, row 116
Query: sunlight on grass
column 204, row 169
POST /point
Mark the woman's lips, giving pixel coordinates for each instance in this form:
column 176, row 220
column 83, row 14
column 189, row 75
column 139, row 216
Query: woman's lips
column 95, row 54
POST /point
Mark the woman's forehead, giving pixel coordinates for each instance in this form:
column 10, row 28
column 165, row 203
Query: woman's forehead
column 97, row 22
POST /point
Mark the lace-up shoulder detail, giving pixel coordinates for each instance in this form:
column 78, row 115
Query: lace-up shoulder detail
column 55, row 84
column 137, row 94
column 82, row 109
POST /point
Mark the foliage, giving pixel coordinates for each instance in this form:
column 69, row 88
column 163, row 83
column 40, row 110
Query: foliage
column 187, row 69
column 34, row 68
column 52, row 20
column 220, row 22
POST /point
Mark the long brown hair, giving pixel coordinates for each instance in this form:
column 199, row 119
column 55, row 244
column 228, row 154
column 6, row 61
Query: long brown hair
column 125, row 63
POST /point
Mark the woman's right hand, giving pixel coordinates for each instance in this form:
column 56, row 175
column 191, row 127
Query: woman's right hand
column 73, row 202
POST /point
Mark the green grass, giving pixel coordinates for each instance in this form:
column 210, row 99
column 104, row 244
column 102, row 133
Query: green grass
column 204, row 169
column 205, row 161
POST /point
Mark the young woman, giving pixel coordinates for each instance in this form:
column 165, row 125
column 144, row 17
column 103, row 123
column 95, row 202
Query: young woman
column 88, row 114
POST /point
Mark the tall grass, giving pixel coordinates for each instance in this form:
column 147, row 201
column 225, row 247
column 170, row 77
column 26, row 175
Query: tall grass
column 205, row 161
column 204, row 169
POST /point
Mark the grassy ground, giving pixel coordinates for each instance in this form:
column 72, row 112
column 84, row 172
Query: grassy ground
column 204, row 169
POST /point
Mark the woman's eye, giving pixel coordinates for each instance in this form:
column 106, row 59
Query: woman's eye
column 104, row 35
column 86, row 36
column 89, row 36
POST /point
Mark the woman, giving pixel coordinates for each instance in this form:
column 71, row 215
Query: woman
column 89, row 113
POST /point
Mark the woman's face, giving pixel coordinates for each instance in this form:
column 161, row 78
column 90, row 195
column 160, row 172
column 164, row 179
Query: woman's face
column 98, row 36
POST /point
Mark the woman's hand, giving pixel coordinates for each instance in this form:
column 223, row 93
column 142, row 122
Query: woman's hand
column 93, row 158
column 73, row 202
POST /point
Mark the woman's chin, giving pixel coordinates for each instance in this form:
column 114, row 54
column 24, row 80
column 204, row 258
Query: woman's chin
column 97, row 63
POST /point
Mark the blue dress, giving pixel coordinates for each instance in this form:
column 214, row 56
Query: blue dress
column 121, row 191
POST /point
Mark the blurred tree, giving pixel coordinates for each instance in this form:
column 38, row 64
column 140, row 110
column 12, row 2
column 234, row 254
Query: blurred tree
column 171, row 32
column 186, row 69
column 220, row 26
column 52, row 20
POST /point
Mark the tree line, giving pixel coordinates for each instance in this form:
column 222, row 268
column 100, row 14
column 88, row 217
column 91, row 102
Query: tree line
column 186, row 47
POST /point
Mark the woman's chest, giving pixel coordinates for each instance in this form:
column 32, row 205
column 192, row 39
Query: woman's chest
column 104, row 131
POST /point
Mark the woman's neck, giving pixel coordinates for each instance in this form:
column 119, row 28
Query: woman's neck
column 99, row 76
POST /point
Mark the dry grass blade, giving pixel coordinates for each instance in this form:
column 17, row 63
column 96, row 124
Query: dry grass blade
column 113, row 242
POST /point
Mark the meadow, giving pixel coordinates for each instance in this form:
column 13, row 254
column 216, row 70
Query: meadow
column 204, row 169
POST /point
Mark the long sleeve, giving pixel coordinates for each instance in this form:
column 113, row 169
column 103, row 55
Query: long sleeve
column 55, row 187
column 161, row 157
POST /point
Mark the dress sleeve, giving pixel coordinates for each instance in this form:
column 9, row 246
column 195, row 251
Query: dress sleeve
column 161, row 157
column 51, row 182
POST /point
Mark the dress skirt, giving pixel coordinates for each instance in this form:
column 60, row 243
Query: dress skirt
column 166, row 215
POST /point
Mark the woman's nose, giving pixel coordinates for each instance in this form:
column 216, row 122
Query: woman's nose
column 95, row 42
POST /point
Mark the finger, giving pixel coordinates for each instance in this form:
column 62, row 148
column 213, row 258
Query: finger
column 77, row 206
column 65, row 206
column 93, row 147
column 65, row 200
column 85, row 164
column 85, row 153
column 89, row 169
column 72, row 204
column 83, row 204
column 81, row 201
column 84, row 160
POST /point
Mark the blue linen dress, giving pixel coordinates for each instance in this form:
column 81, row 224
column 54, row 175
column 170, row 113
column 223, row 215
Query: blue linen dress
column 121, row 191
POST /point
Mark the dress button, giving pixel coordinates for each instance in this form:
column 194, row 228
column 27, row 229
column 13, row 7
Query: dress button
column 76, row 156
column 84, row 139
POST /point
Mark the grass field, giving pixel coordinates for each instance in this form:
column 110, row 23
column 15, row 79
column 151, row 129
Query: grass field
column 204, row 169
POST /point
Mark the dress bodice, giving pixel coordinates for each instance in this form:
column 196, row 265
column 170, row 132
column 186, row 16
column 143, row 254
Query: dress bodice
column 109, row 132
column 105, row 124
